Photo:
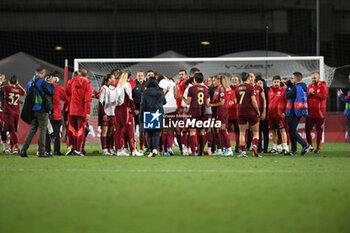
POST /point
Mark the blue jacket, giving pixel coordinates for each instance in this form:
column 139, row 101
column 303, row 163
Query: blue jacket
column 346, row 99
column 291, row 95
column 44, row 88
column 151, row 102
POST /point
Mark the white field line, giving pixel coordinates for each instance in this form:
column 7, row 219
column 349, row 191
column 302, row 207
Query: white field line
column 169, row 170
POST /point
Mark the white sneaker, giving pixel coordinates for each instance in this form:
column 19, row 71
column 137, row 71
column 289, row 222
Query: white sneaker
column 218, row 152
column 279, row 147
column 153, row 153
column 126, row 150
column 122, row 153
column 105, row 152
column 228, row 153
column 136, row 153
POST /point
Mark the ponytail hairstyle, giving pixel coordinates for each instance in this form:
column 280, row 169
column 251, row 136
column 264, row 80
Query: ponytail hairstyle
column 116, row 73
column 123, row 79
column 245, row 76
column 106, row 79
column 13, row 80
column 224, row 81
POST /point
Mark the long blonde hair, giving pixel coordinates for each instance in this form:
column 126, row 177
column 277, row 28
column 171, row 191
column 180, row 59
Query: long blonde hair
column 123, row 79
column 224, row 81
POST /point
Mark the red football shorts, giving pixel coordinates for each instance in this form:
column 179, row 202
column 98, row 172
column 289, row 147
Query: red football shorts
column 224, row 120
column 252, row 120
column 276, row 123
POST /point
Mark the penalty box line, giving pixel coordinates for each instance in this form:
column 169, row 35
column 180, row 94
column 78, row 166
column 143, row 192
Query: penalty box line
column 170, row 170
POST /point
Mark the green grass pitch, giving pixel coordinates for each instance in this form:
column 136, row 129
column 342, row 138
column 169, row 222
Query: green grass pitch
column 99, row 193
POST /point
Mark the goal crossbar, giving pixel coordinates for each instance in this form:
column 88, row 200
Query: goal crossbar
column 202, row 59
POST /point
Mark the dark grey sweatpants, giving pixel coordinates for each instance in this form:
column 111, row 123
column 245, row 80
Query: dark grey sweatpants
column 40, row 120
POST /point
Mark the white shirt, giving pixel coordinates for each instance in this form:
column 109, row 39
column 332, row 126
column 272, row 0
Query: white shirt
column 207, row 109
column 121, row 91
column 108, row 98
column 183, row 104
column 171, row 105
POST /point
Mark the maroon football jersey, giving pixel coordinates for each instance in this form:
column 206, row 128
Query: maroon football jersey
column 199, row 95
column 12, row 95
column 219, row 94
column 244, row 92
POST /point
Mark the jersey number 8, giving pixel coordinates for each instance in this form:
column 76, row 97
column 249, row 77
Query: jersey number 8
column 200, row 98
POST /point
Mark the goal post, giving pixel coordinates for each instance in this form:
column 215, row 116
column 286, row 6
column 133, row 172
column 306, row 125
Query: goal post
column 268, row 67
column 100, row 66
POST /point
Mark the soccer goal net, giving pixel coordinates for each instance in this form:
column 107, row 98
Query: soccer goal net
column 266, row 66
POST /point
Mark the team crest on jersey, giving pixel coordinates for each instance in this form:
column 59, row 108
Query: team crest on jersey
column 222, row 94
column 152, row 120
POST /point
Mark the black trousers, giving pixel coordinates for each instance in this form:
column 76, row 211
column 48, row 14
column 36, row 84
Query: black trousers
column 3, row 133
column 293, row 122
column 153, row 139
column 56, row 125
column 263, row 134
column 249, row 139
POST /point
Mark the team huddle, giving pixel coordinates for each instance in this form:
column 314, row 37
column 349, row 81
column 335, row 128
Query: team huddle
column 200, row 113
